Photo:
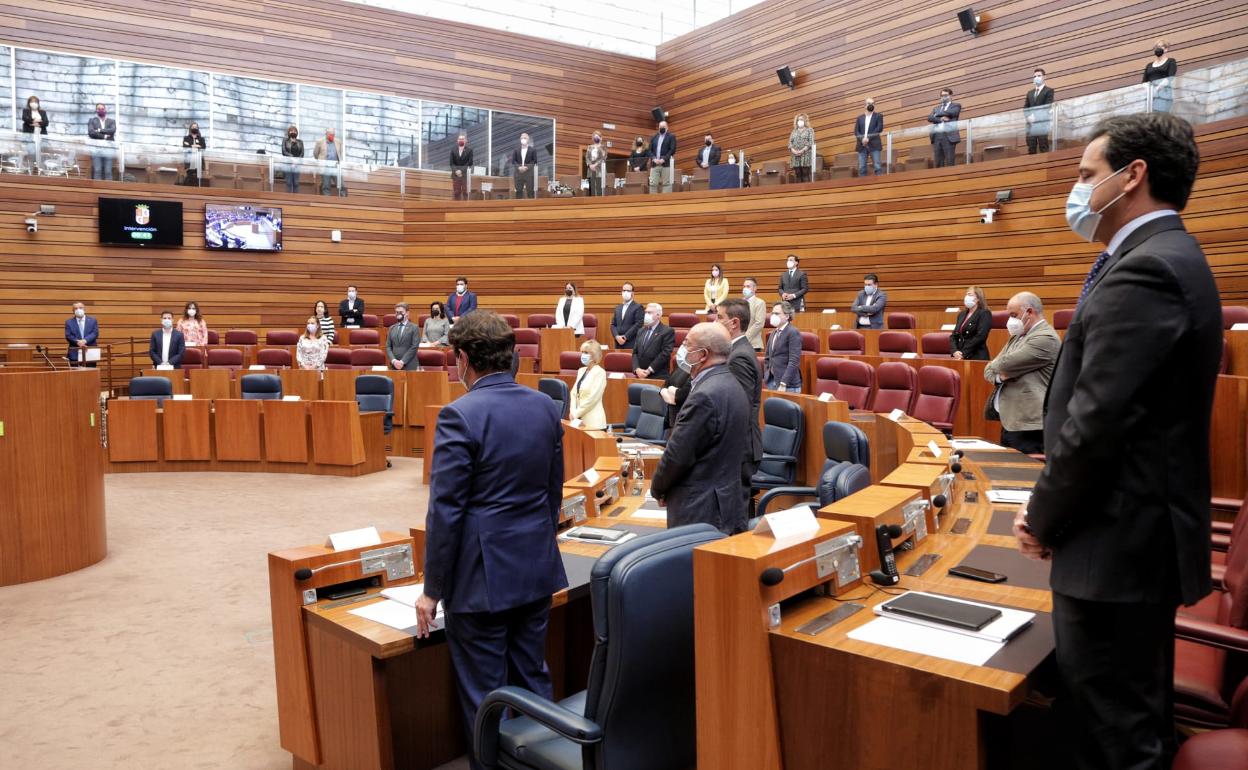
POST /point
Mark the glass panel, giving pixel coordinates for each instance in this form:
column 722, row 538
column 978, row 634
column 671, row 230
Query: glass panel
column 507, row 128
column 160, row 103
column 68, row 88
column 1227, row 90
column 6, row 89
column 252, row 115
column 320, row 109
column 382, row 130
column 1006, row 134
column 161, row 164
column 440, row 127
column 914, row 149
column 1075, row 118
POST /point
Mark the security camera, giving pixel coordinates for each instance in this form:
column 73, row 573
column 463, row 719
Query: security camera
column 986, row 215
column 32, row 225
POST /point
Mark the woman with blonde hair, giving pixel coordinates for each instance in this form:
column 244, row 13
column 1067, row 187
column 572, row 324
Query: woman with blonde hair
column 1159, row 73
column 590, row 384
column 313, row 347
column 969, row 338
column 802, row 147
column 715, row 290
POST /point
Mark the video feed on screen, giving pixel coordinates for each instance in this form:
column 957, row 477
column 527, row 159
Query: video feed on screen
column 243, row 227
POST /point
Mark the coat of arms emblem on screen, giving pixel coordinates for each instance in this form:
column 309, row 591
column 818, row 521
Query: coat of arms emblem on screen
column 142, row 214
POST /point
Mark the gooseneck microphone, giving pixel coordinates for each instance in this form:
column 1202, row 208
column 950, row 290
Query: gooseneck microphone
column 41, row 350
column 303, row 573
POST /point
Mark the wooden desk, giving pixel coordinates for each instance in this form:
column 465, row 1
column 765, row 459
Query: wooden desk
column 304, row 383
column 211, row 384
column 186, row 431
column 553, row 342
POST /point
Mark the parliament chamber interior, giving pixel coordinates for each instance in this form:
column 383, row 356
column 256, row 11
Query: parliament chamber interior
column 262, row 507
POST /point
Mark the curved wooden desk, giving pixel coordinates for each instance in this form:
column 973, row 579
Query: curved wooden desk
column 51, row 474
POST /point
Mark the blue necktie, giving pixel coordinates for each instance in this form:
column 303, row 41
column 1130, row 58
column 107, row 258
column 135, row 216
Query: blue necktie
column 1092, row 274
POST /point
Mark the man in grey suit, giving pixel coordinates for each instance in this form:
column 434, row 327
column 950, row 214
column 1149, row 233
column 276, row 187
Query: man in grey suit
column 782, row 368
column 1122, row 505
column 402, row 341
column 1021, row 372
column 870, row 303
column 944, row 133
column 699, row 475
column 793, row 284
column 734, row 315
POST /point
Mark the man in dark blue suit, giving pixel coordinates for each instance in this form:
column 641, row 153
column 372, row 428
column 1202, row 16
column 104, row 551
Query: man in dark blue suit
column 81, row 332
column 462, row 302
column 782, row 367
column 490, row 552
column 168, row 344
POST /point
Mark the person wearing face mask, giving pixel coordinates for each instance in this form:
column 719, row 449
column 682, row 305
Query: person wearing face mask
column 193, row 140
column 103, row 129
column 35, row 123
column 524, row 168
column 969, row 338
column 436, row 326
column 570, row 310
column 699, row 476
column 653, row 351
column 626, row 319
column 351, row 309
column 1038, row 107
column 1021, row 374
column 708, row 155
column 320, row 311
column 462, row 302
column 734, row 316
column 802, row 147
column 167, row 343
column 328, row 151
column 758, row 313
column 587, row 390
column 461, row 167
column 639, row 159
column 793, row 284
column 944, row 133
column 867, row 129
column 715, row 290
column 870, row 303
column 193, row 325
column 596, row 165
column 81, row 332
column 1121, row 508
column 313, row 346
column 1158, row 73
column 782, row 368
column 402, row 341
column 662, row 159
column 292, row 147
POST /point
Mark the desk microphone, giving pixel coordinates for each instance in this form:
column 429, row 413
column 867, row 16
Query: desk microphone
column 939, row 501
column 41, row 350
column 303, row 573
column 774, row 576
column 955, row 467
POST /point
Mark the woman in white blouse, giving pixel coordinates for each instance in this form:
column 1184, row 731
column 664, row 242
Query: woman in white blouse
column 570, row 311
column 312, row 347
column 587, row 389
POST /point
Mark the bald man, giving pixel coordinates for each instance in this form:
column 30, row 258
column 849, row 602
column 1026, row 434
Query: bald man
column 699, row 476
column 1021, row 372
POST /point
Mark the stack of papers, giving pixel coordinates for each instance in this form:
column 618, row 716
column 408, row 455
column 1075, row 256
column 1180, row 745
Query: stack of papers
column 964, row 646
column 973, row 443
column 398, row 609
column 1008, row 496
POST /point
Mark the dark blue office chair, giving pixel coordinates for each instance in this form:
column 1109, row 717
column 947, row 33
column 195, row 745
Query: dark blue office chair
column 782, row 438
column 375, row 393
column 652, row 424
column 638, row 710
column 151, row 389
column 846, row 470
column 558, row 392
column 261, row 387
column 629, row 426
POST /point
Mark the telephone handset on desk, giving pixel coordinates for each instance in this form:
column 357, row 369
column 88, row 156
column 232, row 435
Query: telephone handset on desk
column 887, row 575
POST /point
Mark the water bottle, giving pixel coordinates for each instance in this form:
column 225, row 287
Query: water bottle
column 639, row 475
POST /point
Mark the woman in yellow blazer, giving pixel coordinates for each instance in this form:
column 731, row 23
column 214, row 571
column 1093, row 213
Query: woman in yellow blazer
column 587, row 390
column 716, row 289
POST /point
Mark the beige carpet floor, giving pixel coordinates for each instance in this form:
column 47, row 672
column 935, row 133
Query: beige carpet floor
column 161, row 655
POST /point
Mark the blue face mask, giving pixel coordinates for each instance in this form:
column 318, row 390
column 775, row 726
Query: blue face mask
column 584, row 359
column 1083, row 221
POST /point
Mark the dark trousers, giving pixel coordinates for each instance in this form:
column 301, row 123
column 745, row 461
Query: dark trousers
column 1039, row 143
column 292, row 181
column 459, row 184
column 493, row 649
column 1029, row 442
column 802, row 173
column 944, row 150
column 1116, row 662
column 524, row 184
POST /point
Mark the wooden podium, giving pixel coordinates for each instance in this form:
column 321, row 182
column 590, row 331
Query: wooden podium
column 553, row 342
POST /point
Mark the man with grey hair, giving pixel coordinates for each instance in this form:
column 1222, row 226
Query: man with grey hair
column 653, row 351
column 1021, row 372
column 402, row 341
column 699, row 475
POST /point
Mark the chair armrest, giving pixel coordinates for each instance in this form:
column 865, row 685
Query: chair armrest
column 568, row 724
column 771, row 494
column 1211, row 634
column 784, row 458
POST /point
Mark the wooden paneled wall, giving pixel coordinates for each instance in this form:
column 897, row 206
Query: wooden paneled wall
column 355, row 46
column 721, row 78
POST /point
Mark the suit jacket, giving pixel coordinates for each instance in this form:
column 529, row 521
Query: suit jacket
column 576, row 316
column 1038, row 106
column 72, row 336
column 320, row 153
column 874, row 311
column 713, row 159
column 758, row 319
column 402, row 342
column 626, row 323
column 586, row 393
column 101, row 129
column 195, row 140
column 461, row 161
column 1027, row 361
column 177, row 346
column 28, row 121
column 292, row 148
column 468, row 303
column 693, row 477
column 1123, row 501
column 783, row 363
column 655, row 353
column 663, row 146
column 494, row 499
column 972, row 339
column 795, row 284
column 523, row 156
column 872, row 132
column 354, row 316
column 743, row 363
column 940, row 128
column 680, row 380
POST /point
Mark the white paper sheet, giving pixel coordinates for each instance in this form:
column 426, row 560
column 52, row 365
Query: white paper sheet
column 973, row 443
column 396, row 615
column 938, row 643
column 652, row 515
column 1007, row 496
column 405, row 594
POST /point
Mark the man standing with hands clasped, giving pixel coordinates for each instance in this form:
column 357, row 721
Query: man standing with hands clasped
column 402, row 341
column 1122, row 506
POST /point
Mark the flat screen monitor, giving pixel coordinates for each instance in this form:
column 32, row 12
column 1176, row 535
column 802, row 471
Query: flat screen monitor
column 244, row 227
column 138, row 222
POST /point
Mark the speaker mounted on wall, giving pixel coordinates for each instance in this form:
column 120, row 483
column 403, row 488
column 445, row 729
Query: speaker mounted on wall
column 658, row 114
column 787, row 76
column 969, row 20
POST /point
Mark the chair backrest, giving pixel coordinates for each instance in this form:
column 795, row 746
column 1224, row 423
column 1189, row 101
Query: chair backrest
column 367, row 357
column 240, row 337
column 618, row 361
column 652, row 422
column 452, row 371
column 936, row 345
column 281, row 337
column 825, row 375
column 539, row 321
column 895, row 386
column 338, row 358
column 363, row 337
column 528, row 343
column 151, row 389
column 844, row 442
column 370, row 321
column 782, row 437
column 273, row 358
column 1000, row 318
column 853, row 383
column 558, row 392
column 1061, row 318
column 937, row 401
column 193, row 358
column 853, row 478
column 901, row 321
column 431, row 359
column 390, row 319
column 678, row 338
column 846, row 343
column 1234, row 314
column 682, row 320
column 897, row 343
column 634, row 405
column 569, row 362
column 214, row 338
column 810, row 342
column 375, row 393
column 590, row 322
column 641, row 675
column 225, row 358
column 262, row 387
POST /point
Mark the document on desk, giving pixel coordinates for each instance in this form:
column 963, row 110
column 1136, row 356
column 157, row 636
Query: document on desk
column 925, row 640
column 650, row 510
column 398, row 614
column 973, row 443
column 1008, row 496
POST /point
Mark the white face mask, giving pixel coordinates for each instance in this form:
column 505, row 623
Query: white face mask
column 650, row 319
column 776, row 319
column 1038, row 80
column 626, row 295
column 524, row 142
column 461, row 289
column 801, row 124
column 969, row 300
column 869, row 290
column 190, row 313
column 350, row 295
column 1014, row 326
column 747, row 292
column 584, row 359
column 714, row 273
column 311, row 328
column 791, row 264
column 167, row 323
column 79, row 312
column 1083, row 221
column 682, row 360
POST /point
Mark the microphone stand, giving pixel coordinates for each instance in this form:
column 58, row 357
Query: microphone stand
column 41, row 350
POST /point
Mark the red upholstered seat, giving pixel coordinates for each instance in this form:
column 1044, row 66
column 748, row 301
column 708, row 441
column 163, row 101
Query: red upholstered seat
column 193, row 358
column 1220, row 749
column 825, row 375
column 452, row 371
column 682, row 320
column 897, row 343
column 213, row 337
column 239, row 337
column 901, row 321
column 338, row 358
column 846, row 343
column 999, row 318
column 273, row 358
column 895, row 386
column 590, row 322
column 937, row 401
column 936, row 345
column 364, row 358
column 810, row 342
column 618, row 361
column 1061, row 318
column 854, row 380
column 363, row 337
column 225, row 358
column 512, row 320
column 370, row 321
column 1234, row 314
column 431, row 359
column 679, row 338
column 569, row 362
column 420, row 320
column 390, row 319
column 539, row 321
column 528, row 343
column 280, row 337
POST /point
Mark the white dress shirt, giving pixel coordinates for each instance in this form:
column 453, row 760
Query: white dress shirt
column 166, row 337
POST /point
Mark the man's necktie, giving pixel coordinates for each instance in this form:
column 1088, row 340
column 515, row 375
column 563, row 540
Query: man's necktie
column 1092, row 274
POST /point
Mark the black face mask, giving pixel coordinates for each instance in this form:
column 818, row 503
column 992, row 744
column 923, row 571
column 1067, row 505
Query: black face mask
column 435, row 312
column 567, row 292
column 293, row 134
column 194, row 130
column 708, row 142
column 1158, row 51
column 870, row 108
column 597, row 140
column 662, row 130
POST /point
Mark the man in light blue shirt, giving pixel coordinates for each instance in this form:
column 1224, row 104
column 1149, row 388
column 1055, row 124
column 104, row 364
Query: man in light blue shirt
column 329, row 152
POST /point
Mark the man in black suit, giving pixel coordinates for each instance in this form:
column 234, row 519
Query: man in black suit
column 626, row 320
column 662, row 150
column 524, row 167
column 734, row 315
column 1038, row 107
column 944, row 133
column 167, row 343
column 867, row 128
column 461, row 167
column 699, row 475
column 351, row 309
column 793, row 284
column 708, row 155
column 1122, row 506
column 653, row 352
